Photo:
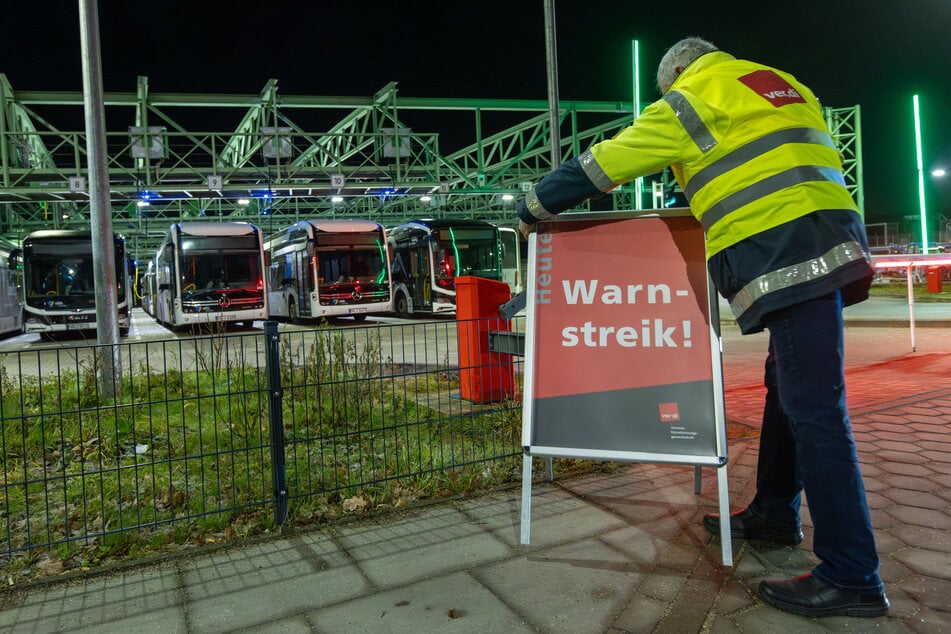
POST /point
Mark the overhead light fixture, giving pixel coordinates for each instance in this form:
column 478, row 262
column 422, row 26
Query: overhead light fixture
column 336, row 199
column 263, row 194
column 507, row 197
column 243, row 201
column 276, row 142
column 425, row 199
column 147, row 142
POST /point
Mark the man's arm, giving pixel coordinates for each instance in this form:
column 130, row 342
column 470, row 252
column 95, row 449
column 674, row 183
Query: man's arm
column 652, row 142
column 562, row 189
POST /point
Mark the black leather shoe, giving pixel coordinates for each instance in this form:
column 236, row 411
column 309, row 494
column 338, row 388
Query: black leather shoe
column 807, row 596
column 746, row 524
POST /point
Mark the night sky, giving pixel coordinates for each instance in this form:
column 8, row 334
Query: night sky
column 871, row 53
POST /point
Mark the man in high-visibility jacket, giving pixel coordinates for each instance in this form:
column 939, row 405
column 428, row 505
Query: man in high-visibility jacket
column 786, row 247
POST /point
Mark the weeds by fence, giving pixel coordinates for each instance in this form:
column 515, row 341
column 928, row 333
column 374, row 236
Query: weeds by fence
column 369, row 417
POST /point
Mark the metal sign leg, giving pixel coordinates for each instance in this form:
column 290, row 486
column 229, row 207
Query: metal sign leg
column 726, row 533
column 526, row 499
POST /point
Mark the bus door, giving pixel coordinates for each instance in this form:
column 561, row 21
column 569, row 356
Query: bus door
column 511, row 258
column 420, row 274
column 304, row 276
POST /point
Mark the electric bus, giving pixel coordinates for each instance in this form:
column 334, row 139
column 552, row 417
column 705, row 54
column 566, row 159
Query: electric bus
column 208, row 273
column 11, row 304
column 329, row 268
column 58, row 282
column 428, row 255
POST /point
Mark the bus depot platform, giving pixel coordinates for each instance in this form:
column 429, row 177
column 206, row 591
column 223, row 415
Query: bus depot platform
column 621, row 550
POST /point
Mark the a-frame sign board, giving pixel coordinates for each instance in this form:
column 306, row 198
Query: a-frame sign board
column 622, row 348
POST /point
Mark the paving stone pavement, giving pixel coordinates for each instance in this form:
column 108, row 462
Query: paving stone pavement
column 619, row 551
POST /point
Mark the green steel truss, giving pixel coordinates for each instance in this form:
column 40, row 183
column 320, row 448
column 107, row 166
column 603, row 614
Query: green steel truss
column 273, row 159
column 846, row 127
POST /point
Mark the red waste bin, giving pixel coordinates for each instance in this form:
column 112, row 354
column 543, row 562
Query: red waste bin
column 484, row 377
column 934, row 279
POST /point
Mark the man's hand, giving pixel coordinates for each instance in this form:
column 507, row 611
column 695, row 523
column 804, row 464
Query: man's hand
column 525, row 229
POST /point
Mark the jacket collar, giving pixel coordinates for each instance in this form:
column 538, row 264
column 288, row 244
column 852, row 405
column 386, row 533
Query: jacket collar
column 702, row 63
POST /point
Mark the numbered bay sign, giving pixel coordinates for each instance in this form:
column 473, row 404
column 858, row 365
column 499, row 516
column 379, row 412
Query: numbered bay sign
column 622, row 347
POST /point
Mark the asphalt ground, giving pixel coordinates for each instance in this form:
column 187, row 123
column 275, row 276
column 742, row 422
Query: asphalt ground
column 620, row 551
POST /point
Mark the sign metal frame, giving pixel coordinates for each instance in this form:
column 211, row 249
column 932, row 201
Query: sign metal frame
column 715, row 453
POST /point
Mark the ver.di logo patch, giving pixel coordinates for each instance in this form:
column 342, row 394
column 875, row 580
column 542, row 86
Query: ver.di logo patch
column 771, row 87
column 669, row 412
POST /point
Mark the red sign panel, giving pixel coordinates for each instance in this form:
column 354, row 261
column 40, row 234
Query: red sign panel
column 621, row 358
column 620, row 304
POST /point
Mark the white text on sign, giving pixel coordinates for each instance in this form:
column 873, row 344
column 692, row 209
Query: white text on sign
column 651, row 333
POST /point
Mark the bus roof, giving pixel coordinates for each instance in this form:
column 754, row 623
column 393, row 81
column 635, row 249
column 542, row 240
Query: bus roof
column 342, row 225
column 65, row 234
column 441, row 223
column 429, row 225
column 210, row 228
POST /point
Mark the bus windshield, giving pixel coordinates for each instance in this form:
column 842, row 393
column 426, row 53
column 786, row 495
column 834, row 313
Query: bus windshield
column 67, row 280
column 62, row 281
column 201, row 271
column 351, row 265
column 467, row 252
column 220, row 262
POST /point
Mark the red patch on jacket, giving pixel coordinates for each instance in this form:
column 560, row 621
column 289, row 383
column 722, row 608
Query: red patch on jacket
column 771, row 87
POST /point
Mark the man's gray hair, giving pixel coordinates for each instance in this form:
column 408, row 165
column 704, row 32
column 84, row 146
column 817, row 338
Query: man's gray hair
column 680, row 55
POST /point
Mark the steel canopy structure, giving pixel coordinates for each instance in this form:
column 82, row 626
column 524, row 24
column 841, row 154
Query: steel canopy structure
column 273, row 159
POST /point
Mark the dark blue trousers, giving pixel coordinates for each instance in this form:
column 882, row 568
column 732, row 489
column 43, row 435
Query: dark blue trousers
column 807, row 446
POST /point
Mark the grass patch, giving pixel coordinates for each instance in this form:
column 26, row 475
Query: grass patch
column 898, row 288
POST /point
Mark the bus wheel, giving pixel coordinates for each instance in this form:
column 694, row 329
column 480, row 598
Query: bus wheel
column 402, row 305
column 291, row 311
column 123, row 332
column 360, row 317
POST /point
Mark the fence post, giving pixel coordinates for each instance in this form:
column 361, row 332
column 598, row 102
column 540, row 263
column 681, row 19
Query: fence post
column 276, row 415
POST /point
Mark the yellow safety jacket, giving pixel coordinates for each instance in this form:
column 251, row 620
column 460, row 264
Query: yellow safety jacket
column 750, row 148
column 739, row 147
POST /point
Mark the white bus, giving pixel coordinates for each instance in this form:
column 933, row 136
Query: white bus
column 11, row 304
column 428, row 255
column 329, row 268
column 210, row 272
column 58, row 282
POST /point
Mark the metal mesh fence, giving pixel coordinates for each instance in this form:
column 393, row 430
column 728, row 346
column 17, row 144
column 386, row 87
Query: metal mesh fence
column 205, row 429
